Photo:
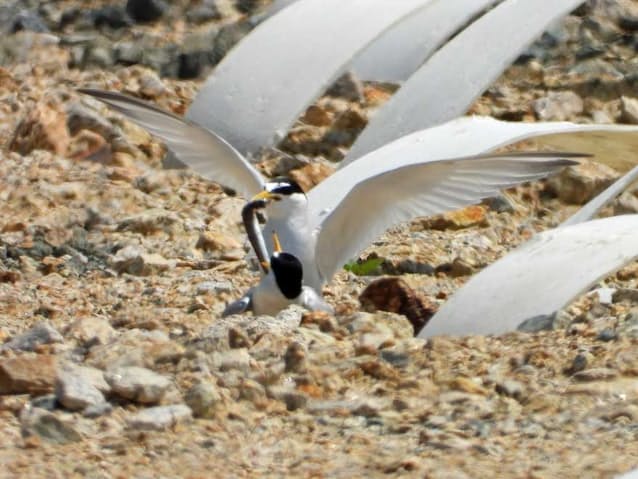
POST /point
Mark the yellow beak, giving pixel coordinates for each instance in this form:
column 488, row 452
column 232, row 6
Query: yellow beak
column 264, row 195
column 276, row 243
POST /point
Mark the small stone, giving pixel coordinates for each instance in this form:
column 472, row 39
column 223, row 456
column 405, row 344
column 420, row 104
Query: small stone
column 138, row 384
column 510, row 388
column 295, row 357
column 217, row 242
column 558, row 106
column 76, row 387
column 317, row 116
column 146, row 10
column 134, row 260
column 595, row 374
column 203, row 399
column 48, row 426
column 90, row 331
column 629, row 110
column 325, row 322
column 214, row 287
column 237, row 338
column 607, row 334
column 28, row 374
column 311, row 175
column 459, row 219
column 150, row 222
column 234, row 359
column 41, row 333
column 293, row 399
column 347, row 86
column 467, row 385
column 160, row 417
column 543, row 322
column 393, row 294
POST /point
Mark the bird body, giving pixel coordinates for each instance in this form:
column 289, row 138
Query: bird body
column 282, row 282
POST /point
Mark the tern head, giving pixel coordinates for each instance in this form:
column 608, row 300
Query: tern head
column 283, row 196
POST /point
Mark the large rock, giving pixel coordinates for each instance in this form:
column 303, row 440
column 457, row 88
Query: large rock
column 78, row 387
column 138, row 384
column 160, row 417
column 578, row 184
column 392, row 294
column 41, row 333
column 28, row 374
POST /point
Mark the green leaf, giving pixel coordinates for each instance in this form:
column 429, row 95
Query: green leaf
column 366, row 267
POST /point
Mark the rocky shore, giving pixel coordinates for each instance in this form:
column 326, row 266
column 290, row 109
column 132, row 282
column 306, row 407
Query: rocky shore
column 114, row 361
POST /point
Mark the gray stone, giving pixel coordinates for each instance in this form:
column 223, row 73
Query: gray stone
column 558, row 106
column 138, row 384
column 41, row 333
column 203, row 398
column 544, row 322
column 80, row 387
column 42, row 423
column 214, row 287
column 160, row 417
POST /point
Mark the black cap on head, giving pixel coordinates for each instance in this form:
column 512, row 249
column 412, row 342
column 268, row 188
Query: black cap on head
column 284, row 186
column 288, row 273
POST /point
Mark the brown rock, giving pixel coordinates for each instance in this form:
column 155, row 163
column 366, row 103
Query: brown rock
column 42, row 128
column 317, row 116
column 311, row 175
column 88, row 145
column 578, row 184
column 28, row 374
column 474, row 215
column 213, row 241
column 392, row 294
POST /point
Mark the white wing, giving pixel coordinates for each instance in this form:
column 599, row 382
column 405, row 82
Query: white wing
column 538, row 278
column 424, row 189
column 447, row 84
column 200, row 149
column 260, row 88
column 475, row 135
column 588, row 211
column 401, row 50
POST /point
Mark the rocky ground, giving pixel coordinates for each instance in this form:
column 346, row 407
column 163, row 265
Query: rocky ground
column 113, row 273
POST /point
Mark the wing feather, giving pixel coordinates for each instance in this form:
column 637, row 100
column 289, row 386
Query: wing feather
column 200, row 149
column 421, row 189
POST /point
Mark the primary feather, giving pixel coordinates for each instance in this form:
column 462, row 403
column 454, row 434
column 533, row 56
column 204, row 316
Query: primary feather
column 202, row 150
column 421, row 189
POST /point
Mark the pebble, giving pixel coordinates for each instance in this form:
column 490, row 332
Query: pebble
column 41, row 333
column 134, row 260
column 579, row 184
column 146, row 10
column 90, row 331
column 595, row 374
column 160, row 417
column 203, row 399
column 138, row 384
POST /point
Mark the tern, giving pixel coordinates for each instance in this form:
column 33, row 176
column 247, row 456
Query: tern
column 282, row 282
column 339, row 218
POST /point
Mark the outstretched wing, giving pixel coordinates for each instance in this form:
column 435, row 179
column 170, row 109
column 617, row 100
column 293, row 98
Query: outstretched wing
column 421, row 189
column 538, row 278
column 614, row 145
column 200, row 149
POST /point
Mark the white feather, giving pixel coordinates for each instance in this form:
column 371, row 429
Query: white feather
column 395, row 55
column 447, row 84
column 261, row 87
column 202, row 150
column 538, row 278
column 420, row 189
